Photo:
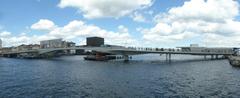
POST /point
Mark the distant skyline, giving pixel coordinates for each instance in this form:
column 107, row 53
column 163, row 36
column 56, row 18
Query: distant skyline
column 152, row 23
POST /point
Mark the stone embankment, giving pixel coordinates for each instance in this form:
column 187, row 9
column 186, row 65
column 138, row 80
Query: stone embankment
column 234, row 61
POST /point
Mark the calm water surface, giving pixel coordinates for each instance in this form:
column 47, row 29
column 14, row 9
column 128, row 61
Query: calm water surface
column 147, row 76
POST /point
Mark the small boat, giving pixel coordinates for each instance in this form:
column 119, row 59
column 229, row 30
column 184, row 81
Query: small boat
column 234, row 61
column 95, row 58
column 99, row 58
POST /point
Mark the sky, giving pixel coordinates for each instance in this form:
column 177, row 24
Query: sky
column 141, row 23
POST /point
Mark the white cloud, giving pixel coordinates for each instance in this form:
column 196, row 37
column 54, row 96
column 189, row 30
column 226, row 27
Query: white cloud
column 217, row 40
column 138, row 17
column 150, row 12
column 122, row 29
column 10, row 39
column 207, row 10
column 75, row 30
column 78, row 29
column 197, row 18
column 212, row 22
column 5, row 34
column 44, row 25
column 105, row 8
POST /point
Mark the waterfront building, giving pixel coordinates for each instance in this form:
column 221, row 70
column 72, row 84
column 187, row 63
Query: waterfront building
column 192, row 48
column 23, row 48
column 19, row 48
column 194, row 45
column 28, row 47
column 6, row 49
column 14, row 49
column 68, row 44
column 54, row 43
column 95, row 41
column 35, row 46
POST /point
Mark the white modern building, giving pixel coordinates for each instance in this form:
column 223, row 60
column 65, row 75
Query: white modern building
column 54, row 43
column 192, row 48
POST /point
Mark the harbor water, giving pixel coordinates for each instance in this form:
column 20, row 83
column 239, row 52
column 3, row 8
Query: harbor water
column 146, row 76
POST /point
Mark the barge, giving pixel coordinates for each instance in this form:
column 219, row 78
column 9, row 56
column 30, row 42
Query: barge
column 99, row 58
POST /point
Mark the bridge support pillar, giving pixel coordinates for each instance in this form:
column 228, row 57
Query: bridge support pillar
column 168, row 57
column 126, row 58
column 205, row 57
column 216, row 56
column 212, row 57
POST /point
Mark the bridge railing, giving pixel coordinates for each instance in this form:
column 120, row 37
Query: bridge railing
column 179, row 50
column 155, row 49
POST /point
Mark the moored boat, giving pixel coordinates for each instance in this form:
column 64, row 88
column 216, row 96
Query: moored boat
column 99, row 58
column 95, row 58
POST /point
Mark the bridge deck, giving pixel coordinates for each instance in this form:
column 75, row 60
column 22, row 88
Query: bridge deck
column 120, row 51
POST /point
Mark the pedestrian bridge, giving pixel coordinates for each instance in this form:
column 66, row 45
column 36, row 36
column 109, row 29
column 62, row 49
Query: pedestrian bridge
column 127, row 51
